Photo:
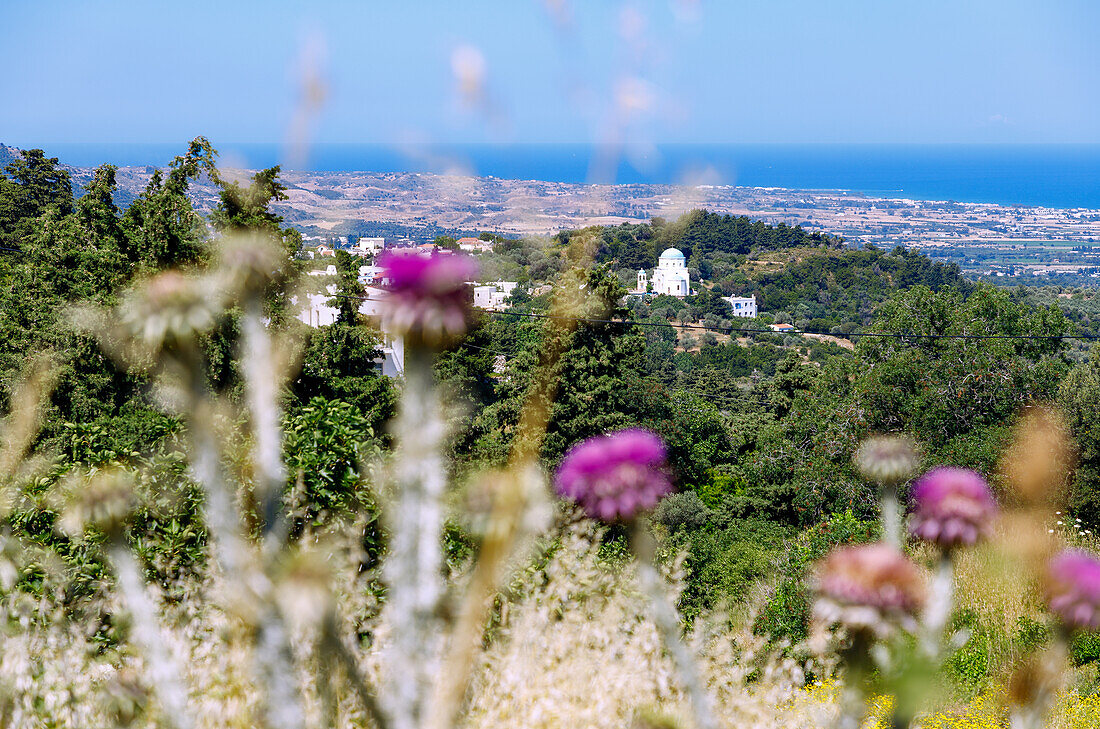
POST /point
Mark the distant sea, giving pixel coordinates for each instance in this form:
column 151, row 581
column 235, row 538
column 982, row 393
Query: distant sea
column 1061, row 176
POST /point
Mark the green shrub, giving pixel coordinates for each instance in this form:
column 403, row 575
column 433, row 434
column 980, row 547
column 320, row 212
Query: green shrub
column 1084, row 648
column 969, row 665
column 327, row 442
column 1030, row 634
column 785, row 615
column 725, row 561
column 684, row 510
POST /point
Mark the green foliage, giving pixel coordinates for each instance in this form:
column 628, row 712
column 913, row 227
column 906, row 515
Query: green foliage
column 1084, row 648
column 737, row 360
column 349, row 292
column 115, row 437
column 29, row 187
column 86, row 251
column 970, row 664
column 824, row 291
column 684, row 510
column 786, row 613
column 594, row 386
column 1079, row 398
column 338, row 364
column 725, row 560
column 990, row 650
column 945, row 388
column 162, row 228
column 327, row 445
column 248, row 208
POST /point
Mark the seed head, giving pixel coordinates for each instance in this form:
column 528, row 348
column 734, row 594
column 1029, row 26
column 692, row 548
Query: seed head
column 250, row 263
column 169, row 312
column 105, row 502
column 887, row 459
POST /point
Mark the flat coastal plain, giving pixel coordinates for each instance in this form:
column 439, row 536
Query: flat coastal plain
column 420, row 206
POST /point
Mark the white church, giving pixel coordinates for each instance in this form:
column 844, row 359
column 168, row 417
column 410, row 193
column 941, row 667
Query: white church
column 670, row 277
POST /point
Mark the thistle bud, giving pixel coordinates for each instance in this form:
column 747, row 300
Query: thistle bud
column 1072, row 589
column 952, row 507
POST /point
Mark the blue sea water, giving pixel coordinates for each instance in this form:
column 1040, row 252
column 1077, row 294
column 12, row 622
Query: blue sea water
column 1062, row 176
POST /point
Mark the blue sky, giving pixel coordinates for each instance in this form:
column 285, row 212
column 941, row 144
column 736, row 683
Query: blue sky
column 889, row 71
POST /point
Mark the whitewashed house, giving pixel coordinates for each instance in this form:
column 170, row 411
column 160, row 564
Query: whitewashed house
column 474, row 245
column 328, row 271
column 370, row 245
column 494, row 296
column 741, row 306
column 370, row 275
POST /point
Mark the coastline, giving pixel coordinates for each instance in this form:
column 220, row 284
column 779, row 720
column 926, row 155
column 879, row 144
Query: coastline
column 1063, row 176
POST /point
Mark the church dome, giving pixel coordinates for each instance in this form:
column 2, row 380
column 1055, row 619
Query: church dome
column 672, row 254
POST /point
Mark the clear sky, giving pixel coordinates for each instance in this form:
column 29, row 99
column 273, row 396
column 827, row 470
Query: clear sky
column 930, row 71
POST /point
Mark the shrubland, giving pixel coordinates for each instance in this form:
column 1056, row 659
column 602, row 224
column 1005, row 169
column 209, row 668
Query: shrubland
column 126, row 471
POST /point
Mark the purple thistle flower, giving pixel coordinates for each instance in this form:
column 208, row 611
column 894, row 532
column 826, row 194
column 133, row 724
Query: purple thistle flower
column 868, row 587
column 1072, row 589
column 952, row 507
column 428, row 295
column 615, row 476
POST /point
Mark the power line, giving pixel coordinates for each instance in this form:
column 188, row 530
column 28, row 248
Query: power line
column 731, row 330
column 738, row 330
column 485, row 349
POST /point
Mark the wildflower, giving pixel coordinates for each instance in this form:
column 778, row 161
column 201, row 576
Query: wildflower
column 871, row 587
column 427, row 295
column 1072, row 589
column 888, row 459
column 615, row 476
column 952, row 506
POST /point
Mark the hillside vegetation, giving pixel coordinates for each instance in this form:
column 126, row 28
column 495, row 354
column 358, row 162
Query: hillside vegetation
column 760, row 427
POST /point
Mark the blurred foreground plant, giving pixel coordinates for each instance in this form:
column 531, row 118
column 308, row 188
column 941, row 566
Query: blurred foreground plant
column 951, row 510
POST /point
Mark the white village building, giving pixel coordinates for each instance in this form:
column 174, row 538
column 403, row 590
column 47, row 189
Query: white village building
column 370, row 275
column 327, row 271
column 670, row 277
column 475, row 245
column 741, row 306
column 316, row 312
column 370, row 245
column 494, row 296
